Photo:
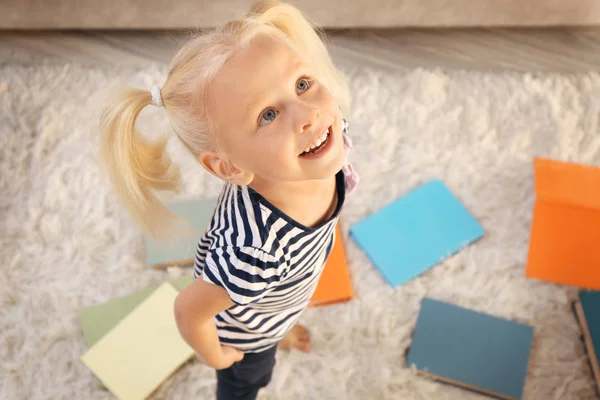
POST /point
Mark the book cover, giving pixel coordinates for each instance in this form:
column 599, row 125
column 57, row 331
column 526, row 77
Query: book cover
column 470, row 349
column 181, row 249
column 96, row 321
column 587, row 312
column 416, row 232
column 565, row 227
column 135, row 357
column 335, row 284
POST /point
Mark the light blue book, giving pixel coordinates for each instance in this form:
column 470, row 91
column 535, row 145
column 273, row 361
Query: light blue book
column 181, row 249
column 416, row 232
column 472, row 350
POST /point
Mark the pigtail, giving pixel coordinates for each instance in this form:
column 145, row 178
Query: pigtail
column 136, row 166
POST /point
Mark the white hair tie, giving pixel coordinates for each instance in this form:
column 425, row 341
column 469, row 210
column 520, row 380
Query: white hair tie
column 156, row 97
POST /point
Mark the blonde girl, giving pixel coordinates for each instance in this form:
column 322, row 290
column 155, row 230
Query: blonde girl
column 260, row 105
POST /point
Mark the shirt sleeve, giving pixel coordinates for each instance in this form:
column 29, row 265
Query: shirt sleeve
column 246, row 273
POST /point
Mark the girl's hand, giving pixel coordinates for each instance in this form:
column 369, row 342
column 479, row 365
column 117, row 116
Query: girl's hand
column 230, row 356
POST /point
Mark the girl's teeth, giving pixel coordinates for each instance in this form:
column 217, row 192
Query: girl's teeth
column 318, row 142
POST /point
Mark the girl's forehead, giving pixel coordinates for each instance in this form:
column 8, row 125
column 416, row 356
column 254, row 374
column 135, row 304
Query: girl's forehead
column 268, row 52
column 256, row 71
column 258, row 60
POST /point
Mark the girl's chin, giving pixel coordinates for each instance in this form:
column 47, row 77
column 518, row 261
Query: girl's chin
column 328, row 170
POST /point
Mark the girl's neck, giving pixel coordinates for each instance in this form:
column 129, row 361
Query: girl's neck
column 308, row 202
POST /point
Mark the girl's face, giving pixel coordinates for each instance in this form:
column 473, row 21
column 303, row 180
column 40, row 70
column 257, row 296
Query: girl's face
column 276, row 122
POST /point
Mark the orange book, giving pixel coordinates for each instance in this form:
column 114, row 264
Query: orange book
column 565, row 228
column 335, row 284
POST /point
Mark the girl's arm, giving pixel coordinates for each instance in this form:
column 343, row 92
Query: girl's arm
column 195, row 308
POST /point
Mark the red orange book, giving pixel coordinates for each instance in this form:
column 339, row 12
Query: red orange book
column 335, row 284
column 565, row 229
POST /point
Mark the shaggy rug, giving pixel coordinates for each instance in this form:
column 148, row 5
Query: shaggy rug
column 66, row 243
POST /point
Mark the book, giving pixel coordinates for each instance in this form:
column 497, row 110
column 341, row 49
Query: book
column 334, row 284
column 416, row 232
column 565, row 226
column 180, row 250
column 135, row 357
column 96, row 321
column 587, row 312
column 470, row 349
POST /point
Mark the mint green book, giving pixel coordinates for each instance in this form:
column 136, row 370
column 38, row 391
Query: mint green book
column 180, row 250
column 98, row 320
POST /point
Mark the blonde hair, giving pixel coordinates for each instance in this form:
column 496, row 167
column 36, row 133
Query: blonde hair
column 139, row 167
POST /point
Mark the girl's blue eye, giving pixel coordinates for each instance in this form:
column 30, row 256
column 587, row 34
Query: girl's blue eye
column 268, row 116
column 302, row 85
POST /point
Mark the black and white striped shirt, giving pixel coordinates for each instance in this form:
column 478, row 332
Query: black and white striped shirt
column 268, row 263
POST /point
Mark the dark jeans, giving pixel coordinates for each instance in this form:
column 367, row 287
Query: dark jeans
column 245, row 378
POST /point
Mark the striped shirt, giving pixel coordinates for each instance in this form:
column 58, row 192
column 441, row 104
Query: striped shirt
column 268, row 263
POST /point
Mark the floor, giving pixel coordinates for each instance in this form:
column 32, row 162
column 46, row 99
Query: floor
column 555, row 50
column 565, row 51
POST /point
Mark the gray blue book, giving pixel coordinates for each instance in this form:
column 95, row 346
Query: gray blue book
column 416, row 232
column 470, row 349
column 587, row 311
column 180, row 249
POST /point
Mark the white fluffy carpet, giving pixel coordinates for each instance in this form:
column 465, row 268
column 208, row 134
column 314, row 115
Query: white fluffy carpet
column 65, row 243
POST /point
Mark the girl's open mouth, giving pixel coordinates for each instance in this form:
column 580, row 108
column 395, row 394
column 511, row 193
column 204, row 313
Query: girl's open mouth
column 319, row 145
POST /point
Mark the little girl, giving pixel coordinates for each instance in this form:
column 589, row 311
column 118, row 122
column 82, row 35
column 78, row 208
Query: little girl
column 259, row 105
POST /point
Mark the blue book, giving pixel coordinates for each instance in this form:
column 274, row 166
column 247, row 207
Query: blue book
column 416, row 232
column 181, row 249
column 472, row 350
column 587, row 311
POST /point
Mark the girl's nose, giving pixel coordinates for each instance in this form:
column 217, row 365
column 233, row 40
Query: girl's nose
column 308, row 119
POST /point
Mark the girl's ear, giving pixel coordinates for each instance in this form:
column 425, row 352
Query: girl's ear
column 223, row 169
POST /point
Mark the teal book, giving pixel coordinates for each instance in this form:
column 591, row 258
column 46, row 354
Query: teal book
column 181, row 249
column 587, row 311
column 416, row 232
column 472, row 350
